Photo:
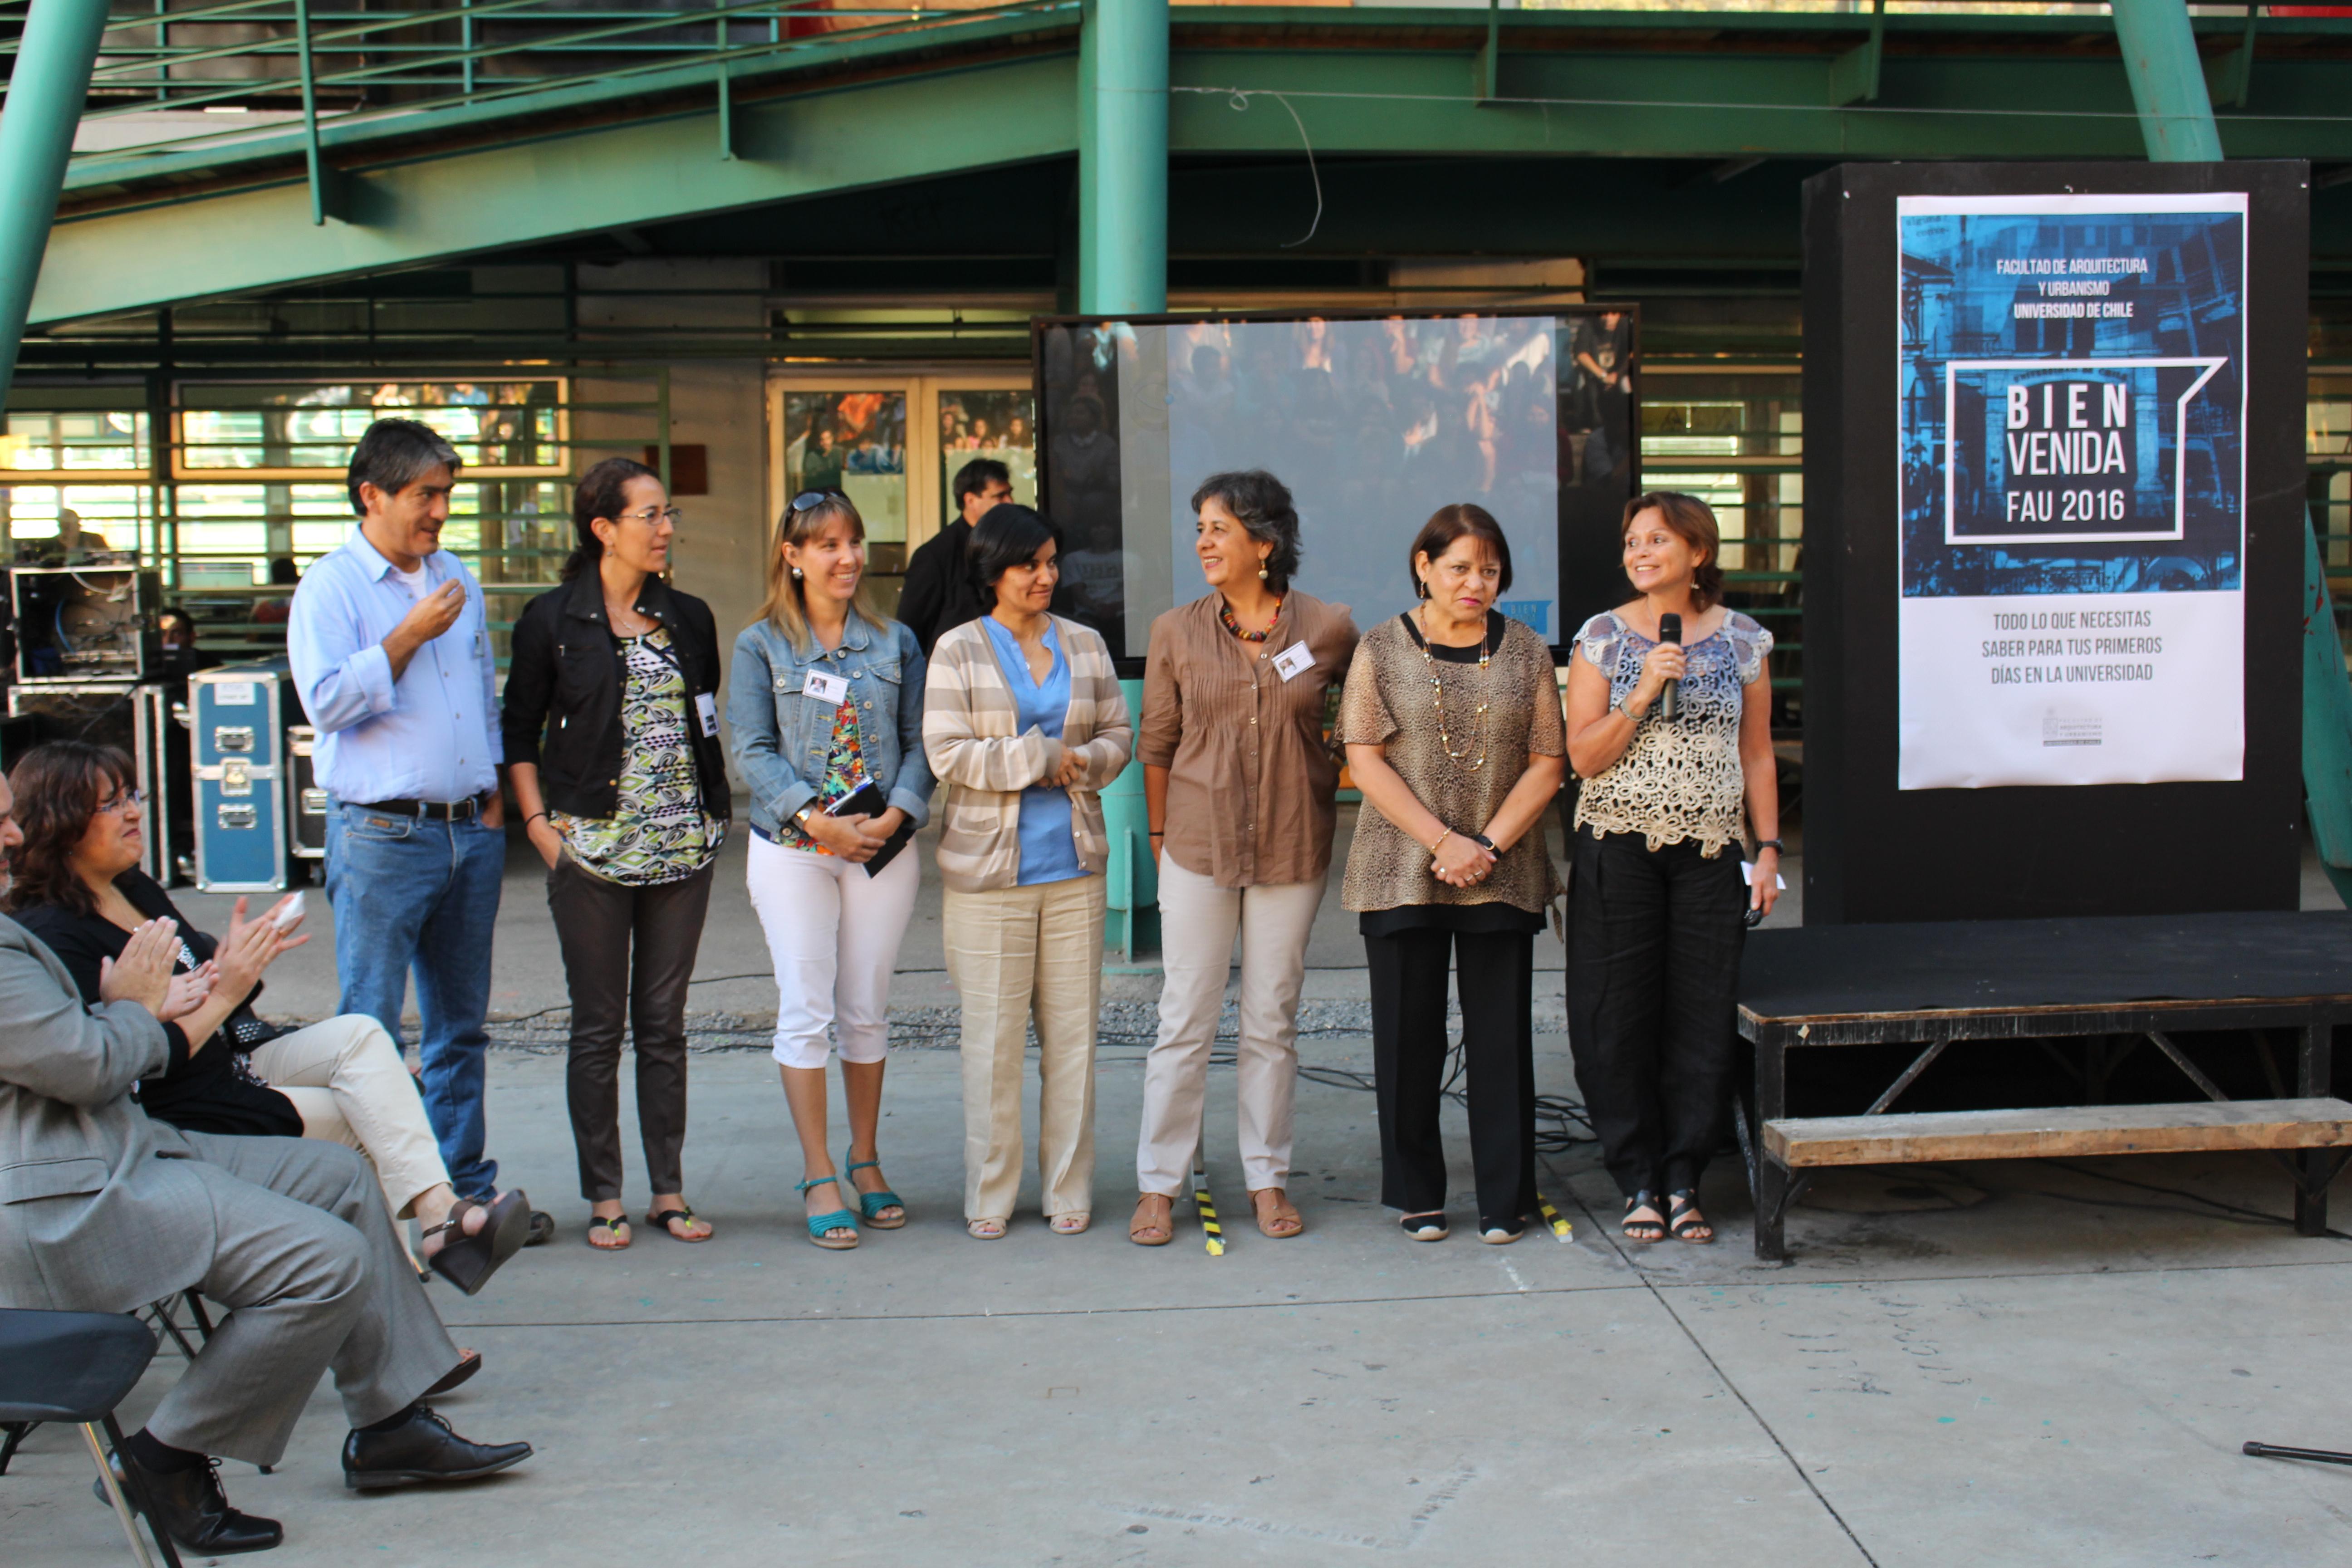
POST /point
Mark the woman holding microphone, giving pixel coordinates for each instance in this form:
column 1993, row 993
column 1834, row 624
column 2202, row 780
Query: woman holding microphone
column 1670, row 726
column 1238, row 787
column 611, row 742
column 1452, row 722
column 827, row 711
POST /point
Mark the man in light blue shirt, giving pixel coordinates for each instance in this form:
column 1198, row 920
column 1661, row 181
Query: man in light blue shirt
column 392, row 658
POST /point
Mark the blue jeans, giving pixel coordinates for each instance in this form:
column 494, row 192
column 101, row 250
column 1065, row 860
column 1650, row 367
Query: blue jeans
column 422, row 894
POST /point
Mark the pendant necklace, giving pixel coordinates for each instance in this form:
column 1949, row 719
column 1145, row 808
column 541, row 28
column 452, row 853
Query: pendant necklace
column 1437, row 700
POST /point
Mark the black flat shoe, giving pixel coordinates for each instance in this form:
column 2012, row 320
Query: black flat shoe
column 423, row 1448
column 1426, row 1227
column 193, row 1509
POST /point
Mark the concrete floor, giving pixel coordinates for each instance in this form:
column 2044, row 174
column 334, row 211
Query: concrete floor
column 2002, row 1364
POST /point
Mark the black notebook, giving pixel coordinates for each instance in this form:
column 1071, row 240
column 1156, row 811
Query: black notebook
column 867, row 800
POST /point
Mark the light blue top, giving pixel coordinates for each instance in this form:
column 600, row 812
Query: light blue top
column 1048, row 851
column 431, row 735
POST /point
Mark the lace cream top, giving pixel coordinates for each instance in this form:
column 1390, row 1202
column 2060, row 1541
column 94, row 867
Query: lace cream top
column 1676, row 781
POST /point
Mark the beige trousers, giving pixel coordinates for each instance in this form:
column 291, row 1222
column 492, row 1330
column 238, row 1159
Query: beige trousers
column 350, row 1087
column 1198, row 921
column 1014, row 954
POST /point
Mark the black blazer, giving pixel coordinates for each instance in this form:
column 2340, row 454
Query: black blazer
column 563, row 683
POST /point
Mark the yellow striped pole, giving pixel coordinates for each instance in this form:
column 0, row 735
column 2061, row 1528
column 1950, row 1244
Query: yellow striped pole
column 1201, row 1201
column 1559, row 1227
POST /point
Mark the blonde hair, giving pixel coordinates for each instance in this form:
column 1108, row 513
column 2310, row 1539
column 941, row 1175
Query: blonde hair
column 786, row 608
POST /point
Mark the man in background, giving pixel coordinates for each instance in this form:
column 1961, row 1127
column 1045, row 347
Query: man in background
column 392, row 658
column 940, row 595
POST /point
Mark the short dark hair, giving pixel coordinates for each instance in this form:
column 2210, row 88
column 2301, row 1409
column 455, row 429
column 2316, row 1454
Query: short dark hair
column 602, row 490
column 1008, row 536
column 1452, row 522
column 1261, row 503
column 977, row 475
column 57, row 788
column 392, row 454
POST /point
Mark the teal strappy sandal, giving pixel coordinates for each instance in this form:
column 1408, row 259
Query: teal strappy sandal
column 871, row 1203
column 822, row 1226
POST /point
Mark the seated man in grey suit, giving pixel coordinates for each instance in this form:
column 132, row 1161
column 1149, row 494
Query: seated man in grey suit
column 104, row 1210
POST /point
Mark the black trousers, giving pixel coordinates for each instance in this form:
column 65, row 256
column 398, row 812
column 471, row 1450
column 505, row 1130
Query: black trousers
column 628, row 953
column 1409, row 1050
column 1653, row 975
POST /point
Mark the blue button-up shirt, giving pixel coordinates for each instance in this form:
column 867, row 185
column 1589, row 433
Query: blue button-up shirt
column 431, row 735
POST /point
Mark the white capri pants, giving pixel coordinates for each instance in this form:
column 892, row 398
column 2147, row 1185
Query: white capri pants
column 349, row 1085
column 833, row 937
column 1198, row 920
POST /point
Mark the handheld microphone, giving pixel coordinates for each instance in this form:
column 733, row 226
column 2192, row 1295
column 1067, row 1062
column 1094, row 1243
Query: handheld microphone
column 1670, row 701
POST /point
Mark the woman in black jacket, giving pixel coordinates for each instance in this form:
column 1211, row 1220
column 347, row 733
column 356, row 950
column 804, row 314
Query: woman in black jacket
column 613, row 751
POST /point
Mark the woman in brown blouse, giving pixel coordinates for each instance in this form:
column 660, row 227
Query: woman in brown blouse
column 1452, row 720
column 1238, row 786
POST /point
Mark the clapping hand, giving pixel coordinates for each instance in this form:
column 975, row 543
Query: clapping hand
column 142, row 973
column 190, row 990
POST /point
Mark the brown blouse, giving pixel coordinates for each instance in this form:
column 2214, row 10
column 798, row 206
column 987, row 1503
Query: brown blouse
column 1389, row 703
column 1250, row 781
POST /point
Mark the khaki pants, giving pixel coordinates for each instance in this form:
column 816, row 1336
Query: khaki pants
column 1198, row 920
column 1017, row 953
column 350, row 1087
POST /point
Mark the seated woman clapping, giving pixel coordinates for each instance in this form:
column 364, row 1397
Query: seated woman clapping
column 80, row 890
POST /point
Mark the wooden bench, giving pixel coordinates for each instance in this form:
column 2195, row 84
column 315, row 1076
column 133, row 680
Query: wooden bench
column 2065, row 1132
column 2116, row 984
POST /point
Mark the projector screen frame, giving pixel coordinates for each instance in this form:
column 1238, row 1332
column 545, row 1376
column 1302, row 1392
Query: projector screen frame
column 1602, row 587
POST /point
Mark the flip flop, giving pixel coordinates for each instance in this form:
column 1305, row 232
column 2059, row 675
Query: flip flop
column 468, row 1261
column 661, row 1222
column 612, row 1226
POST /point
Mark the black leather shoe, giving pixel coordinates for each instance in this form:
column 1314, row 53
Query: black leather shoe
column 193, row 1509
column 423, row 1448
column 542, row 1228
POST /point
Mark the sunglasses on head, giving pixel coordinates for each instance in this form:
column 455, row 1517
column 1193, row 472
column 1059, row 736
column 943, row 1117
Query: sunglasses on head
column 808, row 498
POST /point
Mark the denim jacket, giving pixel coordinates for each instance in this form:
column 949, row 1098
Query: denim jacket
column 781, row 737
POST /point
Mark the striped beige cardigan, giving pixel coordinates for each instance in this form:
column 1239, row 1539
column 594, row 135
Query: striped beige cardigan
column 970, row 736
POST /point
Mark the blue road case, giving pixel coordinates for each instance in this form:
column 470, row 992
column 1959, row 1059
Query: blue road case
column 240, row 747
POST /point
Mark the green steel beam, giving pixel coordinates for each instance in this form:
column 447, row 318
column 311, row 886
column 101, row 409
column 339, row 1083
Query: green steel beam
column 1123, row 115
column 2168, row 81
column 589, row 181
column 509, row 179
column 2327, row 726
column 37, row 132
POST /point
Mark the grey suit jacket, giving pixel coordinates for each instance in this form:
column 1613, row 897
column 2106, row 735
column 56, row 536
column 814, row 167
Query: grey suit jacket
column 99, row 1211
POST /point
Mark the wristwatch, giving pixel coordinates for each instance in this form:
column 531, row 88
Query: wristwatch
column 1764, row 844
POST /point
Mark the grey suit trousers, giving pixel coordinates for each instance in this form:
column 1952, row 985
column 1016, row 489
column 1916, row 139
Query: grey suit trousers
column 307, row 1261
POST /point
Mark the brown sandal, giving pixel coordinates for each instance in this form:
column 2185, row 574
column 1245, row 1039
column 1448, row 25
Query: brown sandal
column 1160, row 1232
column 1279, row 1219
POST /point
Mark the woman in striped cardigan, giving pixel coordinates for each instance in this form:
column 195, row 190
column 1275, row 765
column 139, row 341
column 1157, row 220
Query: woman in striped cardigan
column 1025, row 724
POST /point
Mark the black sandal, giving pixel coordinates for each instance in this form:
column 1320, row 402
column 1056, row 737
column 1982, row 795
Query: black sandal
column 1633, row 1229
column 1684, row 1218
column 468, row 1261
column 611, row 1226
column 660, row 1222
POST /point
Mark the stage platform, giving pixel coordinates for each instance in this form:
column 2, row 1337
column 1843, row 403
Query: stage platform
column 1941, row 984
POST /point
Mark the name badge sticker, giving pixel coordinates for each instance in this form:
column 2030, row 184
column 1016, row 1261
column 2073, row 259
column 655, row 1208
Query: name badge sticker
column 1294, row 661
column 705, row 708
column 824, row 687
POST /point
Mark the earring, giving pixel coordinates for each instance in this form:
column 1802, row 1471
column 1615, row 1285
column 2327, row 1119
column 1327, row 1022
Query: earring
column 796, row 574
column 1423, row 584
column 1261, row 573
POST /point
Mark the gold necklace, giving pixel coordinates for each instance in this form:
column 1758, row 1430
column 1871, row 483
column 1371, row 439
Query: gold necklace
column 1437, row 699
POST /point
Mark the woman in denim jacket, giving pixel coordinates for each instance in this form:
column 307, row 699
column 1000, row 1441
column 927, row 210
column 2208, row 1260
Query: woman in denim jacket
column 828, row 706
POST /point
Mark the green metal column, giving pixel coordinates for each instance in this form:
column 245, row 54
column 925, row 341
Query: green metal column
column 2168, row 81
column 1123, row 270
column 37, row 133
column 1123, row 157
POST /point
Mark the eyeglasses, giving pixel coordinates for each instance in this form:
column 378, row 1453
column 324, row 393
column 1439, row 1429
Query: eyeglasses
column 654, row 517
column 808, row 498
column 122, row 802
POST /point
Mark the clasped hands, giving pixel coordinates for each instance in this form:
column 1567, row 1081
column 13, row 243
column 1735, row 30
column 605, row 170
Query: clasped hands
column 1461, row 861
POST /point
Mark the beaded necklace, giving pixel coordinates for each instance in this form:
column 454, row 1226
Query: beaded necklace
column 1437, row 699
column 1226, row 613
